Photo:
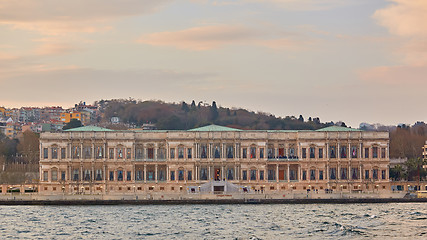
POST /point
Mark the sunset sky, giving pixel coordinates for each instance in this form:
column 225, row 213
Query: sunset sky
column 341, row 60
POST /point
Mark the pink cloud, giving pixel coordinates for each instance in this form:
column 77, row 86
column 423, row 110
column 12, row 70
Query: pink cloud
column 395, row 75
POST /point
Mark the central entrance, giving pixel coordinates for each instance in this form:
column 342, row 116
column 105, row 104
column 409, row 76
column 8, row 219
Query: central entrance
column 217, row 176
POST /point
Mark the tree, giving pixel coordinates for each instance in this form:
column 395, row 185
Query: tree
column 193, row 105
column 185, row 107
column 301, row 118
column 415, row 169
column 397, row 173
column 74, row 123
column 28, row 147
column 214, row 111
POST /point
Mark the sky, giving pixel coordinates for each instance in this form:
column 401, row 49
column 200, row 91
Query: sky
column 339, row 60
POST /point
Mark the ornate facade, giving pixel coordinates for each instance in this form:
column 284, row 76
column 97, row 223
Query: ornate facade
column 91, row 160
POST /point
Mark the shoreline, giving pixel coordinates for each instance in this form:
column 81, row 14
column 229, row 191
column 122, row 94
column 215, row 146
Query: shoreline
column 18, row 202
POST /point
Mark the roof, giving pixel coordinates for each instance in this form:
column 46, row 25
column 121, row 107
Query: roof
column 338, row 129
column 214, row 128
column 89, row 129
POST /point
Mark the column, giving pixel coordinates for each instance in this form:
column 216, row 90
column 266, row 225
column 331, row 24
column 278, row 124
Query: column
column 145, row 173
column 288, row 172
column 277, row 172
column 299, row 173
column 222, row 172
column 155, row 173
column 209, row 173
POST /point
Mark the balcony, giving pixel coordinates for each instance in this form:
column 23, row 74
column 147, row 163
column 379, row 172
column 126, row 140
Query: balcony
column 284, row 158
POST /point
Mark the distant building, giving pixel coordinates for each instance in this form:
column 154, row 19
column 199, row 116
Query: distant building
column 149, row 126
column 97, row 160
column 67, row 116
column 82, row 105
column 115, row 120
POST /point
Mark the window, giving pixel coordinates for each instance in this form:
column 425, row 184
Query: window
column 128, row 153
column 304, row 175
column 353, row 153
column 63, row 156
column 45, row 153
column 253, row 174
column 172, row 153
column 76, row 175
column 203, row 174
column 180, row 152
column 343, row 152
column 203, row 151
column 98, row 176
column 54, row 153
column 366, row 152
column 63, row 176
column 312, row 152
column 354, row 174
column 281, row 152
column 86, row 175
column 120, row 175
column 333, row 173
column 320, row 152
column 111, row 153
column 261, row 153
column 139, row 152
column 253, row 152
column 150, row 153
column 99, row 152
column 271, row 174
column 375, row 152
column 45, row 176
column 291, row 152
column 304, row 153
column 139, row 175
column 382, row 152
column 332, row 153
column 366, row 174
column 312, row 174
column 230, row 151
column 270, row 152
column 245, row 175
column 87, row 152
column 180, row 175
column 161, row 153
column 320, row 174
column 189, row 153
column 230, row 173
column 189, row 175
column 292, row 175
column 344, row 173
column 383, row 174
column 128, row 176
column 261, row 175
column 172, row 175
column 120, row 153
column 375, row 174
column 245, row 152
column 217, row 152
column 54, row 174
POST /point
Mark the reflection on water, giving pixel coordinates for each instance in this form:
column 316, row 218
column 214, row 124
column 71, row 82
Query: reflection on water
column 317, row 221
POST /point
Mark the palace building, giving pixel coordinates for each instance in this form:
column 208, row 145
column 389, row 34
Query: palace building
column 94, row 160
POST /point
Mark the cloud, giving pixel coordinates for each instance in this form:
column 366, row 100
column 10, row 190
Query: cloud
column 405, row 20
column 211, row 37
column 53, row 17
column 293, row 5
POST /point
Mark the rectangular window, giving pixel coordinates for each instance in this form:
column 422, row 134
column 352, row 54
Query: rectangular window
column 189, row 153
column 87, row 175
column 304, row 175
column 253, row 175
column 63, row 155
column 139, row 152
column 343, row 153
column 230, row 174
column 271, row 174
column 98, row 175
column 291, row 152
column 87, row 152
column 332, row 173
column 111, row 153
column 245, row 175
column 354, row 174
column 320, row 174
column 54, row 153
column 281, row 152
column 366, row 152
column 217, row 151
column 343, row 173
column 375, row 174
column 292, row 175
column 111, row 175
column 172, row 175
column 382, row 152
column 383, row 174
column 253, row 152
column 203, row 151
column 150, row 153
column 63, row 176
column 353, row 152
column 128, row 153
column 45, row 176
column 312, row 152
column 375, row 152
column 54, row 176
column 180, row 152
column 332, row 152
column 320, row 152
column 139, row 175
column 76, row 175
column 119, row 175
column 172, row 153
column 203, row 174
column 261, row 153
column 230, row 151
column 261, row 175
column 366, row 174
column 45, row 153
column 312, row 174
column 128, row 176
column 304, row 153
column 270, row 152
column 189, row 175
column 245, row 152
column 99, row 152
column 120, row 153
